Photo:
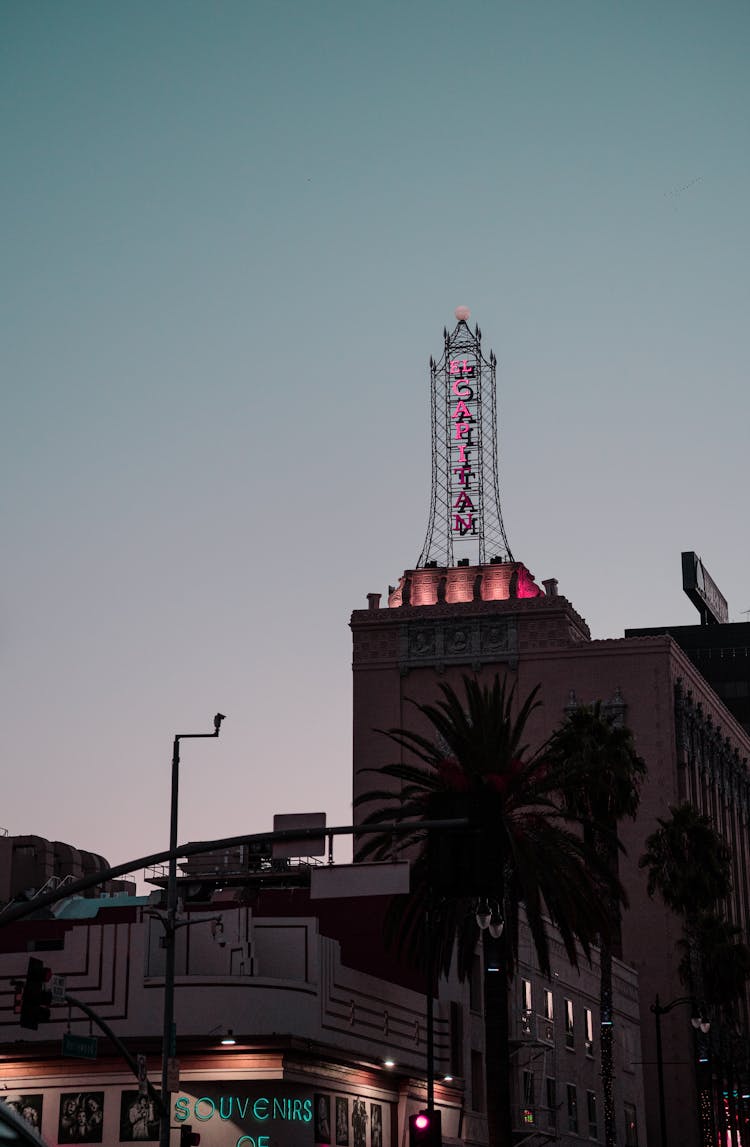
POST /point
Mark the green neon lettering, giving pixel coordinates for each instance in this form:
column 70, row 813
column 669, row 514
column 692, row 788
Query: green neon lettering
column 246, row 1139
column 297, row 1110
column 260, row 1109
column 307, row 1106
column 196, row 1112
column 263, row 1141
column 225, row 1099
column 279, row 1109
column 242, row 1105
column 181, row 1109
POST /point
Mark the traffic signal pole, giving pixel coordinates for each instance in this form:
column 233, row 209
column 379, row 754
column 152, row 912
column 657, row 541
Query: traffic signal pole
column 169, row 1037
column 130, row 1059
column 430, row 1003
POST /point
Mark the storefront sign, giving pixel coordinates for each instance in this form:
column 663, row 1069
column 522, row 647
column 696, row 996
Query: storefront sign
column 258, row 1118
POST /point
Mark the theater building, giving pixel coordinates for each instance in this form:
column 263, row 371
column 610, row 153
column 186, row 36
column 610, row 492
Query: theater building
column 465, row 621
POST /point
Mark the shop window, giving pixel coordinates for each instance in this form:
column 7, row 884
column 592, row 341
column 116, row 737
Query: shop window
column 549, row 1007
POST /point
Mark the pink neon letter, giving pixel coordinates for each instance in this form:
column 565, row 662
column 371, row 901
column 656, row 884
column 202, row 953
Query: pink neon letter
column 462, row 453
column 456, row 388
column 463, row 429
column 461, row 411
column 463, row 502
column 463, row 525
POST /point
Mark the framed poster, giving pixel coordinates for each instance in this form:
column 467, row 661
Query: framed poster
column 81, row 1117
column 322, row 1118
column 138, row 1120
column 376, row 1125
column 29, row 1107
column 342, row 1122
column 359, row 1122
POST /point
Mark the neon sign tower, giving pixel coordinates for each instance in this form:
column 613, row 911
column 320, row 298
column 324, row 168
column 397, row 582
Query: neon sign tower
column 465, row 523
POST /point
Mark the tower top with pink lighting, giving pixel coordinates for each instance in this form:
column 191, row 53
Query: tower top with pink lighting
column 465, row 524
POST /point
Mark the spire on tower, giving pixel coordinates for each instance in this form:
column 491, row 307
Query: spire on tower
column 465, row 520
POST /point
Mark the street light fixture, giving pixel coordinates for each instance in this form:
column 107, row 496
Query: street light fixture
column 698, row 1021
column 169, row 1039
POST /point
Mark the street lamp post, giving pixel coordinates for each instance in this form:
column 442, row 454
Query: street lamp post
column 169, row 1049
column 698, row 1022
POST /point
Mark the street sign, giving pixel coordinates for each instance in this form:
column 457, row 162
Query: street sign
column 57, row 989
column 80, row 1046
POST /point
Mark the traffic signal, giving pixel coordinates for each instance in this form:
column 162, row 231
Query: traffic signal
column 425, row 1129
column 188, row 1137
column 36, row 997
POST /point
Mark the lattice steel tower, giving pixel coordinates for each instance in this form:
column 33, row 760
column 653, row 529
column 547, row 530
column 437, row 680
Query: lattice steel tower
column 465, row 521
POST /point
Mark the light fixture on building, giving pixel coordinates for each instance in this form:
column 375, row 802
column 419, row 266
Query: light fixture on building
column 228, row 1040
column 488, row 917
column 496, row 927
column 447, row 1079
column 389, row 1063
column 483, row 915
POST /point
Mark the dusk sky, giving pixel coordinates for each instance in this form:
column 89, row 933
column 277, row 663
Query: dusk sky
column 232, row 234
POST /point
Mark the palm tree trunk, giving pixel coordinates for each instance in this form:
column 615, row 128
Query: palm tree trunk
column 605, row 1011
column 607, row 849
column 496, row 1048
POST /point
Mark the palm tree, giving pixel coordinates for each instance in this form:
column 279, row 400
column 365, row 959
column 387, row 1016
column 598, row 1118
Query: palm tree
column 520, row 850
column 724, row 960
column 601, row 773
column 689, row 865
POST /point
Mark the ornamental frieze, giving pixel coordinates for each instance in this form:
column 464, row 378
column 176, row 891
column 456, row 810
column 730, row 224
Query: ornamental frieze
column 456, row 641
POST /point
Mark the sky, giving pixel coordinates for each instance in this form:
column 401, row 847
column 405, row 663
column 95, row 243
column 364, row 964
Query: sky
column 231, row 234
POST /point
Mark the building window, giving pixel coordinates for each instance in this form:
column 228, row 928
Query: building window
column 528, row 1114
column 457, row 1039
column 569, row 1030
column 551, row 1102
column 572, row 1108
column 477, row 1081
column 546, row 1025
column 588, row 1021
column 591, row 1112
column 475, row 984
column 631, row 1126
column 526, row 1012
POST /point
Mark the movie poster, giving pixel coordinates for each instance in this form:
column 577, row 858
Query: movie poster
column 81, row 1117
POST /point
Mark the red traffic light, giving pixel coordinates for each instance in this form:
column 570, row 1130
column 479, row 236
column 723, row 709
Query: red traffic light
column 425, row 1129
column 188, row 1137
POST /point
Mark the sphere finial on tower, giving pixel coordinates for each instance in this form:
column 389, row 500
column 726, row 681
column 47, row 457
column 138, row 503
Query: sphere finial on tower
column 462, row 314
